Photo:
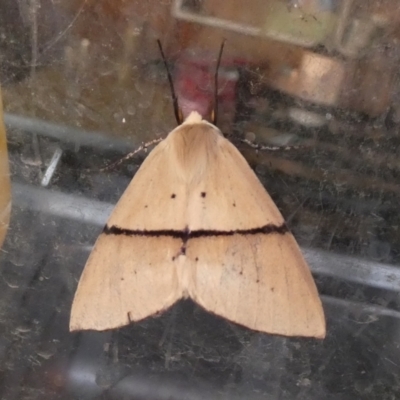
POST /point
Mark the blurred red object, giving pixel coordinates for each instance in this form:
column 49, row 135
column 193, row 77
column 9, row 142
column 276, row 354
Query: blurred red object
column 194, row 84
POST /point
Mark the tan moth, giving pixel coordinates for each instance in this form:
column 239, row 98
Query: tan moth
column 195, row 222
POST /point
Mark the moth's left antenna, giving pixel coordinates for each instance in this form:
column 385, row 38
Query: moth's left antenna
column 177, row 111
column 215, row 111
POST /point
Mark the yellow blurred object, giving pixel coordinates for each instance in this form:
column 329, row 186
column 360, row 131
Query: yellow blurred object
column 5, row 186
column 308, row 26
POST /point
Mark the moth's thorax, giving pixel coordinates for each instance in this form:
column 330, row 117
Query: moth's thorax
column 194, row 146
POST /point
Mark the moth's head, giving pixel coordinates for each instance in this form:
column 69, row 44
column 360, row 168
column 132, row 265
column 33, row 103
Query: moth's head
column 195, row 118
column 194, row 125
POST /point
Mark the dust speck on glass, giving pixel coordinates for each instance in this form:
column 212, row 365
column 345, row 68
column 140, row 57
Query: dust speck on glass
column 83, row 84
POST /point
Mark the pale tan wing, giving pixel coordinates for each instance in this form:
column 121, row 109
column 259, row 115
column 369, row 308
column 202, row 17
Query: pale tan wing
column 260, row 281
column 195, row 178
column 126, row 278
column 156, row 199
column 230, row 197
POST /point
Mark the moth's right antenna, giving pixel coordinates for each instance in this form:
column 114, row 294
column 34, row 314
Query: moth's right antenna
column 177, row 111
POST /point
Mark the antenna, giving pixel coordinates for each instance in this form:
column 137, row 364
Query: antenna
column 177, row 111
column 214, row 114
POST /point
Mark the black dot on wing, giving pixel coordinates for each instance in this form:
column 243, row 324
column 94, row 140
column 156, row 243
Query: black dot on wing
column 203, row 194
column 173, row 195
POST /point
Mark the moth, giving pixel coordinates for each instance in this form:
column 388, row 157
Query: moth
column 195, row 222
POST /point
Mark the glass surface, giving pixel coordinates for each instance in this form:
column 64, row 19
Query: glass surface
column 83, row 85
